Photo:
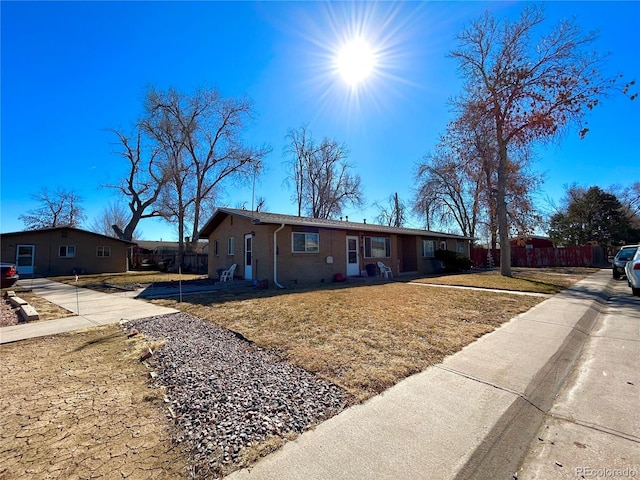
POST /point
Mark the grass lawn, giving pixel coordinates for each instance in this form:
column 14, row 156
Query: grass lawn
column 102, row 280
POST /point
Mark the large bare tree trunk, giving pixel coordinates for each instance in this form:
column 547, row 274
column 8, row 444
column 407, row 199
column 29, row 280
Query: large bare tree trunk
column 503, row 227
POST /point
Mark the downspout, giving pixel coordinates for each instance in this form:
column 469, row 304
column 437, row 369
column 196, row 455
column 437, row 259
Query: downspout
column 275, row 256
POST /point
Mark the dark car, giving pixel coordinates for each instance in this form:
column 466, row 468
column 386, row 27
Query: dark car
column 9, row 275
column 622, row 257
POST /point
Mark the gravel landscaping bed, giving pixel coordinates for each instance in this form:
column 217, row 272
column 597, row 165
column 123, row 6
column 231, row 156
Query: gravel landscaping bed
column 228, row 397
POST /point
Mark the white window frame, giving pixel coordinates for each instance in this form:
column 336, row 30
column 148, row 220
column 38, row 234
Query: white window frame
column 311, row 242
column 103, row 251
column 426, row 252
column 69, row 251
column 368, row 251
column 460, row 247
column 231, row 246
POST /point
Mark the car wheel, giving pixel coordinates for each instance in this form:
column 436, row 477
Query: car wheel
column 635, row 291
column 616, row 275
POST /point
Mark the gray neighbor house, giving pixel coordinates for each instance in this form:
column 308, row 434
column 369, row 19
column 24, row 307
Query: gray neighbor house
column 287, row 249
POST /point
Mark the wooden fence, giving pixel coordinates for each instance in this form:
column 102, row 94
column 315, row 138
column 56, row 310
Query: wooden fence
column 586, row 256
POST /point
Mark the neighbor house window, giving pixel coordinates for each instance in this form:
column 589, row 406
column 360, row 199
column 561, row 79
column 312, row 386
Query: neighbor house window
column 443, row 245
column 377, row 247
column 104, row 251
column 231, row 248
column 67, row 251
column 459, row 246
column 216, row 248
column 306, row 242
column 428, row 248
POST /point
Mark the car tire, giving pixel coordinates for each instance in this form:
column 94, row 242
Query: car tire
column 635, row 291
column 616, row 275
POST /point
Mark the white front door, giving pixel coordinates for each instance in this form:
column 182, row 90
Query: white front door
column 353, row 257
column 248, row 260
column 25, row 259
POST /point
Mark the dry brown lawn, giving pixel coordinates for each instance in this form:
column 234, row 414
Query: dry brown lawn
column 102, row 280
column 363, row 338
column 77, row 405
column 539, row 280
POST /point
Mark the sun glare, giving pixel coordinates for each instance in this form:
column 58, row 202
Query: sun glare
column 355, row 61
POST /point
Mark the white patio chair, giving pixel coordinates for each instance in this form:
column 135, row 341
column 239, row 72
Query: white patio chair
column 227, row 275
column 385, row 271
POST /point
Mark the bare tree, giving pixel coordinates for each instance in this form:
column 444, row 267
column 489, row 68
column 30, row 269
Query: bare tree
column 142, row 186
column 322, row 176
column 529, row 90
column 394, row 214
column 112, row 221
column 200, row 136
column 57, row 208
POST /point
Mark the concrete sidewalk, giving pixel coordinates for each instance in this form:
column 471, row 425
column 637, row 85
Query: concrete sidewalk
column 90, row 309
column 473, row 416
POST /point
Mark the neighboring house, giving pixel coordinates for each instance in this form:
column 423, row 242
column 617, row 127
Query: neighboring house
column 63, row 250
column 532, row 241
column 289, row 249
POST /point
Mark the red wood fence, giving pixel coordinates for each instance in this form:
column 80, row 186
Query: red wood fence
column 586, row 256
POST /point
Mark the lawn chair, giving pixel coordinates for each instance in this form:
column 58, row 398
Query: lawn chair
column 227, row 275
column 385, row 271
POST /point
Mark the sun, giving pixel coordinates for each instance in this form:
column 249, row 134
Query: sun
column 355, row 61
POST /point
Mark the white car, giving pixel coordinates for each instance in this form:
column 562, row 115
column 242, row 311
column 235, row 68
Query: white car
column 632, row 270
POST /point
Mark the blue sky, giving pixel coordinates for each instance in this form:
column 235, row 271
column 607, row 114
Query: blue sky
column 70, row 71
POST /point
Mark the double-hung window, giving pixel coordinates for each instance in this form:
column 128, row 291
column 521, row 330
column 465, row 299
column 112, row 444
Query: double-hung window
column 303, row 242
column 67, row 251
column 377, row 247
column 428, row 248
column 104, row 251
column 460, row 246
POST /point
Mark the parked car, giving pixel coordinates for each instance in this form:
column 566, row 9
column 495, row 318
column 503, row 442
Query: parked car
column 622, row 257
column 9, row 275
column 632, row 271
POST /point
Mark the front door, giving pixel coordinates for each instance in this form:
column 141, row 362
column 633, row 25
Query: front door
column 25, row 259
column 353, row 260
column 248, row 247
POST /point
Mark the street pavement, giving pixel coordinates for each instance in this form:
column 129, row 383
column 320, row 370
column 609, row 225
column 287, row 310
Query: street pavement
column 476, row 415
column 89, row 309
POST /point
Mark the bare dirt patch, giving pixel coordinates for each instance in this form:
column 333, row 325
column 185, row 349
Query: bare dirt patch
column 79, row 406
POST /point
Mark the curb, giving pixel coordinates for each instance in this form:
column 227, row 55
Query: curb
column 503, row 449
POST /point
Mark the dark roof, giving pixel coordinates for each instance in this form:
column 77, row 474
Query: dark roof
column 278, row 219
column 50, row 229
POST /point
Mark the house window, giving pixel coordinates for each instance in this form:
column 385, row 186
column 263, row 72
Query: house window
column 305, row 242
column 460, row 246
column 231, row 246
column 67, row 251
column 428, row 248
column 377, row 247
column 104, row 251
column 216, row 248
column 443, row 245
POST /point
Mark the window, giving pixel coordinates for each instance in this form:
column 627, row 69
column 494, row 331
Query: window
column 460, row 246
column 216, row 248
column 231, row 248
column 67, row 251
column 305, row 242
column 104, row 251
column 428, row 248
column 443, row 245
column 377, row 247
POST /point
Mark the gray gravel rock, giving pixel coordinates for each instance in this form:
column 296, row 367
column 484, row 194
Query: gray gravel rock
column 226, row 394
